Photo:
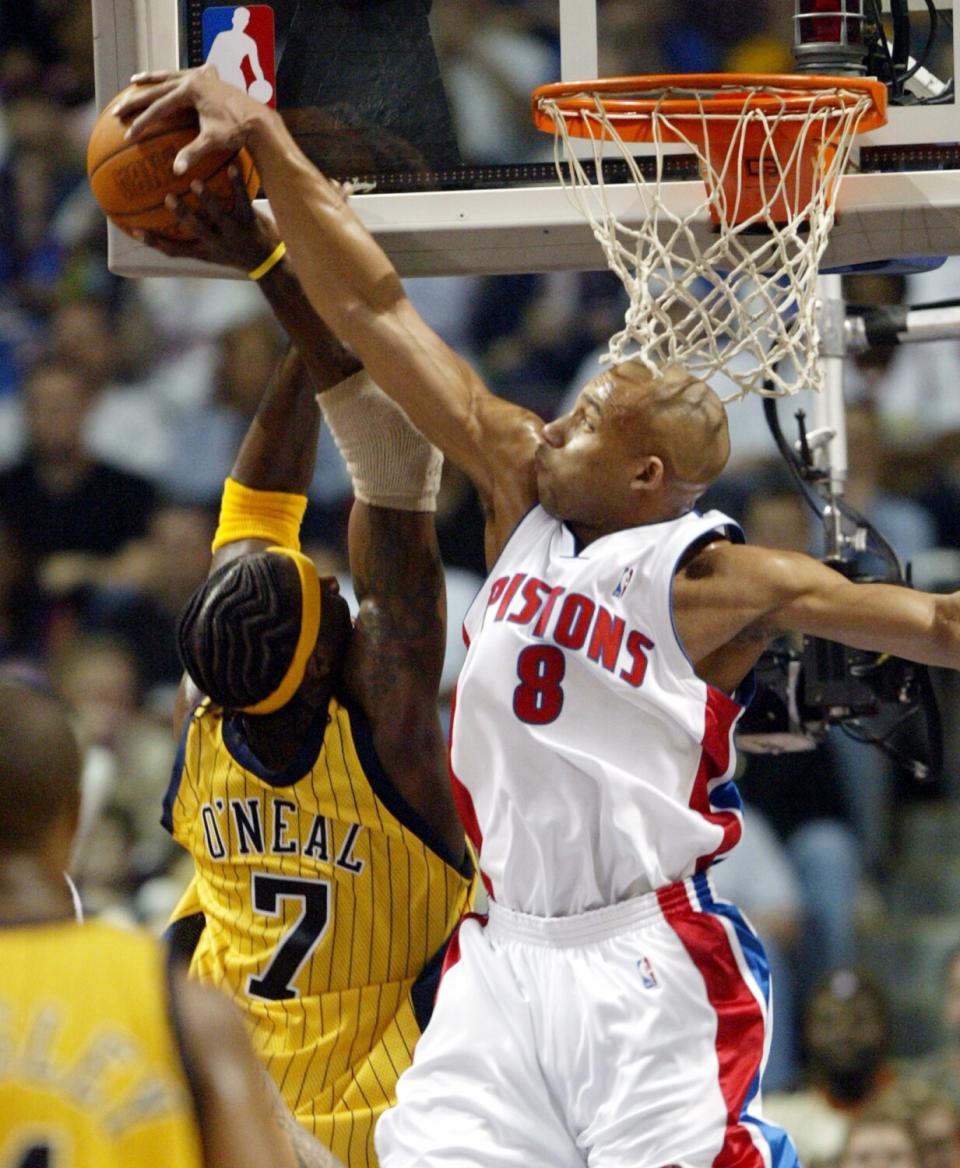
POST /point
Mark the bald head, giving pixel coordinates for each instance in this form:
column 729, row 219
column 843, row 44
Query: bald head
column 637, row 447
column 674, row 415
column 39, row 767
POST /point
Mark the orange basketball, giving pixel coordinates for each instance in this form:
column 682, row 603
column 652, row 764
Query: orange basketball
column 131, row 179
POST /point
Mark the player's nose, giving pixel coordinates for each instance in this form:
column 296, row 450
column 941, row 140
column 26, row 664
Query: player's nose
column 553, row 432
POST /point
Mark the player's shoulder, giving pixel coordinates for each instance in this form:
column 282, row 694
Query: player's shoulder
column 201, row 712
column 718, row 560
column 117, row 935
column 113, row 952
column 710, row 555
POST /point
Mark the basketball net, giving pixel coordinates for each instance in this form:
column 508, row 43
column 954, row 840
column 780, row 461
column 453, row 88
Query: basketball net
column 742, row 297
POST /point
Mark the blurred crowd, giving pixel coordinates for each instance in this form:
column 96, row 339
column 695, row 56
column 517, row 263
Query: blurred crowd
column 122, row 404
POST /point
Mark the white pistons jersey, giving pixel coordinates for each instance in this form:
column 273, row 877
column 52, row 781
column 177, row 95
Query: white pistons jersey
column 590, row 763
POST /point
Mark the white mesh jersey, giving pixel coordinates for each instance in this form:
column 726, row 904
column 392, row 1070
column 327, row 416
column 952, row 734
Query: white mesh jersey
column 590, row 763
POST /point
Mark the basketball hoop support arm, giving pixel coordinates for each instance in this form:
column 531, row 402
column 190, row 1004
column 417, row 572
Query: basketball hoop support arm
column 899, row 325
column 829, row 432
column 840, row 335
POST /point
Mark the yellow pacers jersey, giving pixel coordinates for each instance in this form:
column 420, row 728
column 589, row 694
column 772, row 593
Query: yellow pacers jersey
column 90, row 1071
column 328, row 906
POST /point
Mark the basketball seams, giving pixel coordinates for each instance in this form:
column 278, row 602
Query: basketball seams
column 161, row 132
column 117, row 215
column 173, row 187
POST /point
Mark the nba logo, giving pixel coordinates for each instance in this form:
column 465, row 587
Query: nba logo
column 647, row 976
column 624, row 582
column 239, row 42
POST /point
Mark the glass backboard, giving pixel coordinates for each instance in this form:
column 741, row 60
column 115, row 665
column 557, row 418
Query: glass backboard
column 427, row 106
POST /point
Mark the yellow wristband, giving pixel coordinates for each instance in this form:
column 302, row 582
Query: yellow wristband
column 271, row 261
column 246, row 513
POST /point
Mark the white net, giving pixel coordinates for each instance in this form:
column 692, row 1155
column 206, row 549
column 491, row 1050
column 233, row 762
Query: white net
column 738, row 296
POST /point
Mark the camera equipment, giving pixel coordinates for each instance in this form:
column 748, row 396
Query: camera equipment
column 848, row 37
column 804, row 689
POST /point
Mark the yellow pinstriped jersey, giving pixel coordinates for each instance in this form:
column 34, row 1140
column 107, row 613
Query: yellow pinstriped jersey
column 328, row 906
column 90, row 1069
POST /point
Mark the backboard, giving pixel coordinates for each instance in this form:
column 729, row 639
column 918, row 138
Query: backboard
column 427, row 105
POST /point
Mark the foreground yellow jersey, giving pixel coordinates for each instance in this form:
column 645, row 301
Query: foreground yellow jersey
column 90, row 1071
column 328, row 906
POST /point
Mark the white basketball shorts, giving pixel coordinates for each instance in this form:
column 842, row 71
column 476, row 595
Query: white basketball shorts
column 628, row 1037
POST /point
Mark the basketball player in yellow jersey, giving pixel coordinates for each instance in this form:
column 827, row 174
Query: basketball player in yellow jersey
column 311, row 787
column 109, row 1058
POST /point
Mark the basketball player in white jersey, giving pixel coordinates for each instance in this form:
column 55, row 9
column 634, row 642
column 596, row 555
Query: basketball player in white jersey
column 610, row 1011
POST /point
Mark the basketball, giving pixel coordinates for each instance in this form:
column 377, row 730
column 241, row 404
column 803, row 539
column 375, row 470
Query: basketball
column 130, row 179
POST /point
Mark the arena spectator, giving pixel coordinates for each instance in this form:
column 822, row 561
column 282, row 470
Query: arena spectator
column 847, row 1067
column 935, row 1119
column 937, row 1123
column 42, row 170
column 127, row 755
column 69, row 509
column 32, row 623
column 880, row 1140
column 205, row 440
column 147, row 588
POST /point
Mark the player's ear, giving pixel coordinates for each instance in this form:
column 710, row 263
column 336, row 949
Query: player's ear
column 322, row 666
column 62, row 834
column 648, row 474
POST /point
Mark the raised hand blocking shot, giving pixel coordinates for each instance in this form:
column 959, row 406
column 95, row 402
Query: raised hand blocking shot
column 130, row 179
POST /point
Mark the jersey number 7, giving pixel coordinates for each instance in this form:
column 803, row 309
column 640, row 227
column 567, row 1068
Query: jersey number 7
column 276, row 982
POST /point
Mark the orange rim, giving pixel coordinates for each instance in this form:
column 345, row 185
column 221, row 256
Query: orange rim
column 738, row 92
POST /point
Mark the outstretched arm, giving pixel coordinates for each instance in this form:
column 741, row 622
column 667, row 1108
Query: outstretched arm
column 352, row 284
column 730, row 600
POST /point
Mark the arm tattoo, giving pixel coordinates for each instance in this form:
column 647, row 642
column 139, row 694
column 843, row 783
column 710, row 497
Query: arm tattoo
column 401, row 581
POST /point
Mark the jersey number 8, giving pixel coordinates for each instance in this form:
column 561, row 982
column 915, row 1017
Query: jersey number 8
column 538, row 699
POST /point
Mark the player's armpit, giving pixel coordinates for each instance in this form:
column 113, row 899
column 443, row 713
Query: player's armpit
column 728, row 595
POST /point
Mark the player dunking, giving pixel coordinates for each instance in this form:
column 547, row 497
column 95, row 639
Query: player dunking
column 312, row 788
column 111, row 1059
column 611, row 1011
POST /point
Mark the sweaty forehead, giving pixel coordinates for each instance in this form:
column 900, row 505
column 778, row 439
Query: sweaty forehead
column 612, row 391
column 630, row 397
